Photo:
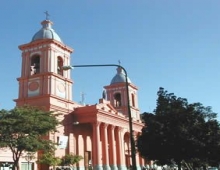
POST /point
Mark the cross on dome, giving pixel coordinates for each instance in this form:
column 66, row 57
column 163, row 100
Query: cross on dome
column 47, row 15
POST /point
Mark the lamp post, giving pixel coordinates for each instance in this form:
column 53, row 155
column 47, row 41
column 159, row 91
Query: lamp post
column 128, row 105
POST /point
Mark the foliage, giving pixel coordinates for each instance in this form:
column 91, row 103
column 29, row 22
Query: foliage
column 48, row 158
column 178, row 131
column 70, row 159
column 22, row 129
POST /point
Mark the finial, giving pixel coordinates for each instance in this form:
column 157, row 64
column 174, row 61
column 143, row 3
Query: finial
column 47, row 15
column 119, row 62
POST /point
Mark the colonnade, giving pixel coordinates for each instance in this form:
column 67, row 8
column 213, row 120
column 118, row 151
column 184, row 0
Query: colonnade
column 111, row 148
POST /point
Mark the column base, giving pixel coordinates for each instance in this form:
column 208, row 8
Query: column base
column 138, row 167
column 122, row 167
column 114, row 167
column 106, row 167
column 98, row 167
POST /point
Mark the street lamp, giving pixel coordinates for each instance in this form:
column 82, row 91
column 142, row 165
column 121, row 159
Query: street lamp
column 128, row 105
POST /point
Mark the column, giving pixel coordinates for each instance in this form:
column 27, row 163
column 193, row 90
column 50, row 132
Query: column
column 137, row 157
column 113, row 163
column 96, row 147
column 71, row 143
column 120, row 149
column 142, row 162
column 105, row 148
column 81, row 151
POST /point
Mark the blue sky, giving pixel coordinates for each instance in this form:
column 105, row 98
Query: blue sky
column 173, row 44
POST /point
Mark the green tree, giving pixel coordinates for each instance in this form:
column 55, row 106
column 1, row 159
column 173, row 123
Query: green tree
column 48, row 158
column 70, row 159
column 180, row 132
column 22, row 129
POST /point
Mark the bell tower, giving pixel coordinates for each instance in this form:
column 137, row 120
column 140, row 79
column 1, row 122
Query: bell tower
column 117, row 95
column 42, row 81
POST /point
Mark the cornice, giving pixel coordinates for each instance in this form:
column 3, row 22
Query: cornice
column 43, row 42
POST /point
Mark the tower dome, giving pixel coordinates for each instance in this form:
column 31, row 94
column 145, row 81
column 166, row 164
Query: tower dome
column 46, row 32
column 120, row 77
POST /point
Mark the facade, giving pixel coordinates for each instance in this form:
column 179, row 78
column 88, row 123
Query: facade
column 98, row 132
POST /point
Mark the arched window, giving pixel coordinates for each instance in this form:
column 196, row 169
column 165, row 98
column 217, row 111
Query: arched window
column 35, row 64
column 133, row 100
column 59, row 66
column 117, row 99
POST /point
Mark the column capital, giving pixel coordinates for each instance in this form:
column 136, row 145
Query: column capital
column 112, row 127
column 105, row 125
column 96, row 124
column 121, row 129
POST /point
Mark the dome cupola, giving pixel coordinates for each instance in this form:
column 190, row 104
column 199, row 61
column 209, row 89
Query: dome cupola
column 120, row 77
column 46, row 32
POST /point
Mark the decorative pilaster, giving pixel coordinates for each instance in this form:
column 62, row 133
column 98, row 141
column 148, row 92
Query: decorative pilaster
column 71, row 143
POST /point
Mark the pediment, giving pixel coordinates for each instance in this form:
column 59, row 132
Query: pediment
column 107, row 107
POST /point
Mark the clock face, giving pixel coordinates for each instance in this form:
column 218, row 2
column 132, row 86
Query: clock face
column 60, row 88
column 33, row 86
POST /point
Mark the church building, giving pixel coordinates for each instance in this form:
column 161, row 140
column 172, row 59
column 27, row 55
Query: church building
column 99, row 132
